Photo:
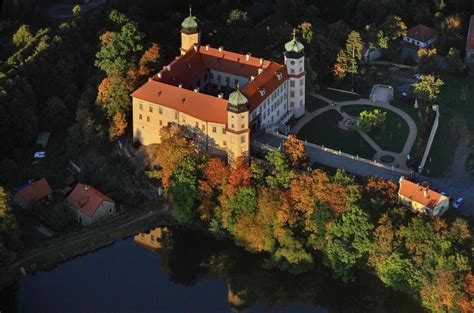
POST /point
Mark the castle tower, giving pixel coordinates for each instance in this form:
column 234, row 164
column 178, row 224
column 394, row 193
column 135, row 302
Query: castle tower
column 294, row 61
column 238, row 133
column 190, row 34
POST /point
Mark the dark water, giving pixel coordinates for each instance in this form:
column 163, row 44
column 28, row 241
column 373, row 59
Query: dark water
column 182, row 271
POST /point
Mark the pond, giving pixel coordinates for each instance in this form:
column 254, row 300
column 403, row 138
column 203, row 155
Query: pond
column 177, row 270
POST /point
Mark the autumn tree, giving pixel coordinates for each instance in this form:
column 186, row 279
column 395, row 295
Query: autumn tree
column 172, row 150
column 439, row 295
column 394, row 28
column 22, row 36
column 294, row 150
column 428, row 87
column 149, row 60
column 427, row 63
column 119, row 124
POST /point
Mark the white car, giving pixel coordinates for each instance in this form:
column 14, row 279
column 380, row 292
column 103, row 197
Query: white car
column 459, row 203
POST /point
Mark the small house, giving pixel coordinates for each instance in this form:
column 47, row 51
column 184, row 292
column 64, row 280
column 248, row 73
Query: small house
column 420, row 36
column 89, row 205
column 419, row 198
column 470, row 43
column 32, row 192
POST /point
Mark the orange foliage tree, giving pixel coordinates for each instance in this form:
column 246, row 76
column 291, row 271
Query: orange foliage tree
column 294, row 149
column 149, row 59
column 119, row 124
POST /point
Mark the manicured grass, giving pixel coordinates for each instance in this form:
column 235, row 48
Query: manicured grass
column 395, row 134
column 442, row 151
column 456, row 98
column 324, row 130
column 338, row 96
column 312, row 103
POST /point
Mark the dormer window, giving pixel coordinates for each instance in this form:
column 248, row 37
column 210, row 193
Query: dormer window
column 262, row 91
column 279, row 75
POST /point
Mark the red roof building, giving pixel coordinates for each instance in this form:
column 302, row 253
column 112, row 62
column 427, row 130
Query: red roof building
column 197, row 91
column 420, row 36
column 36, row 191
column 422, row 199
column 89, row 204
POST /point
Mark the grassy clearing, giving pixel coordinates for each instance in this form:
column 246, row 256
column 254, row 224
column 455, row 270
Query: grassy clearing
column 456, row 101
column 312, row 103
column 324, row 130
column 395, row 134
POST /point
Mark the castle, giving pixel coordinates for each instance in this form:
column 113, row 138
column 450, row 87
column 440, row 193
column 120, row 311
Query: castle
column 219, row 96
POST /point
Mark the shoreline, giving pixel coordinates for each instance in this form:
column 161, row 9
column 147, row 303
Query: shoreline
column 79, row 244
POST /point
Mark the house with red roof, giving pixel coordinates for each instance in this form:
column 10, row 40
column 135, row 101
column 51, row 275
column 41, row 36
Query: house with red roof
column 30, row 193
column 89, row 205
column 419, row 198
column 420, row 36
column 470, row 43
column 219, row 96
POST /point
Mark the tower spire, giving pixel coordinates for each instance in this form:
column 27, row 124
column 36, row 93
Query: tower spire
column 190, row 10
column 294, row 33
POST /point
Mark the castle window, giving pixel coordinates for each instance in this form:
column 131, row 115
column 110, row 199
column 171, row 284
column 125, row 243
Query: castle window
column 292, row 93
column 175, row 115
column 150, row 108
column 214, row 129
column 161, row 123
column 140, row 116
column 292, row 71
column 292, row 83
column 197, row 125
column 231, row 125
column 184, row 119
column 224, row 143
column 292, row 62
column 242, row 126
column 219, row 78
column 160, row 110
column 211, row 75
column 147, row 118
column 242, row 139
column 292, row 104
column 140, row 106
column 227, row 80
column 203, row 127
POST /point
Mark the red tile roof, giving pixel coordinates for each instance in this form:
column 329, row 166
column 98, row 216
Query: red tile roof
column 35, row 191
column 422, row 33
column 470, row 34
column 184, row 70
column 267, row 80
column 418, row 193
column 87, row 198
column 198, row 105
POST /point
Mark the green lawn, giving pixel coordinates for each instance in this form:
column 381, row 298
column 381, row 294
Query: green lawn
column 324, row 130
column 312, row 103
column 456, row 99
column 395, row 134
column 337, row 96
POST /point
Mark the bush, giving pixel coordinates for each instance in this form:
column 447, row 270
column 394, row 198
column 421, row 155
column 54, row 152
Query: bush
column 370, row 120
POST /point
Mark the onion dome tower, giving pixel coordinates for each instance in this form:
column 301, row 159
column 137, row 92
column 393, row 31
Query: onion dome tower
column 190, row 34
column 238, row 133
column 294, row 61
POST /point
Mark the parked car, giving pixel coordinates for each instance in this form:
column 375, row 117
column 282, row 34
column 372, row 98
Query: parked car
column 458, row 203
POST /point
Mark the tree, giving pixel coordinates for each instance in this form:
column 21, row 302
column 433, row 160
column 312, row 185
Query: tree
column 394, row 28
column 76, row 10
column 351, row 239
column 282, row 172
column 454, row 59
column 55, row 115
column 428, row 87
column 370, row 120
column 341, row 67
column 22, row 36
column 183, row 190
column 347, row 61
column 149, row 60
column 306, row 30
column 119, row 124
column 7, row 220
column 119, row 48
column 237, row 16
column 439, row 294
column 427, row 63
column 114, row 95
column 294, row 150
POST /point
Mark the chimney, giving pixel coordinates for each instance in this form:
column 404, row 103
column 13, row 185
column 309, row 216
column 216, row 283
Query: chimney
column 261, row 61
column 207, row 47
column 195, row 47
column 168, row 67
column 252, row 78
column 425, row 193
column 86, row 187
column 220, row 95
column 159, row 75
column 247, row 56
column 180, row 85
column 196, row 89
column 221, row 48
column 260, row 70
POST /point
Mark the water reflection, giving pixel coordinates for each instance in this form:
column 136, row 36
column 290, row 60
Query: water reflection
column 189, row 257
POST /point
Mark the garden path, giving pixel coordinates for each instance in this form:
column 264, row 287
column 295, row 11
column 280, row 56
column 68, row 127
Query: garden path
column 400, row 158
